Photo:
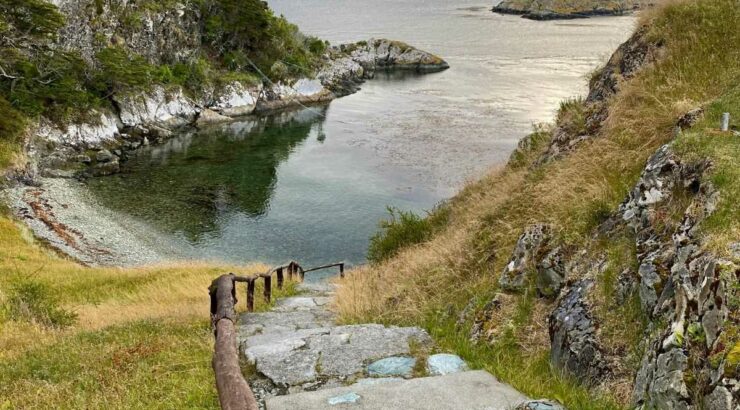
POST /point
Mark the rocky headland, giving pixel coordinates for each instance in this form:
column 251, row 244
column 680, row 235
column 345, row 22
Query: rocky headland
column 563, row 9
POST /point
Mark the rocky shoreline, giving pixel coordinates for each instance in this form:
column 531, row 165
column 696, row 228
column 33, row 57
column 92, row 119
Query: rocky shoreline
column 552, row 10
column 50, row 199
column 97, row 147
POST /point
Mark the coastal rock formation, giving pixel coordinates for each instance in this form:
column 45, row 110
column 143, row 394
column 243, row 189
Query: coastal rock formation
column 563, row 9
column 156, row 113
column 524, row 257
column 685, row 364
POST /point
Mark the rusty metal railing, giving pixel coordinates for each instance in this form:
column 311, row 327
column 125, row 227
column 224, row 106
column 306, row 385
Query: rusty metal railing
column 233, row 390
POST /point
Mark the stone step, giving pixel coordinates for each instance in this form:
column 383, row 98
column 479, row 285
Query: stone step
column 473, row 390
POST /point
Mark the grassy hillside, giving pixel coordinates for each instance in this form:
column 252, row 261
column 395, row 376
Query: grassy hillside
column 436, row 274
column 79, row 337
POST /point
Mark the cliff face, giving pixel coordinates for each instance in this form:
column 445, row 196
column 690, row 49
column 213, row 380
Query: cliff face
column 161, row 32
column 568, row 9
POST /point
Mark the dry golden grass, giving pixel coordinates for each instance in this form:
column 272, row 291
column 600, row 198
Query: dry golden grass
column 141, row 340
column 102, row 297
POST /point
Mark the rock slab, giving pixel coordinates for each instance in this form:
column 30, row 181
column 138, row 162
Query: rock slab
column 474, row 390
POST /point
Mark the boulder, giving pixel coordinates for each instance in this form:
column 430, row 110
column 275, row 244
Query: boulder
column 441, row 364
column 209, row 117
column 236, row 100
column 104, row 156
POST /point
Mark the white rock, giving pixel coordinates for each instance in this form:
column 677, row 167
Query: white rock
column 92, row 133
column 160, row 107
column 236, row 100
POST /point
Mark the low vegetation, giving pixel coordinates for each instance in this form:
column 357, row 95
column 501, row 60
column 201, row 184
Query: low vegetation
column 455, row 271
column 80, row 337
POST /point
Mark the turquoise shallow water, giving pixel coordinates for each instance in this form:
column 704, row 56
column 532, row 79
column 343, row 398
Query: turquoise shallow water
column 312, row 184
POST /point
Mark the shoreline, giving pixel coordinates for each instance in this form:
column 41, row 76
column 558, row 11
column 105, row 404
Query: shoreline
column 550, row 15
column 48, row 196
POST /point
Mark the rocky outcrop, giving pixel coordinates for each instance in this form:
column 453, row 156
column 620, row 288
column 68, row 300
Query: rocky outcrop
column 562, row 10
column 572, row 331
column 524, row 258
column 533, row 261
column 689, row 295
column 160, row 34
column 144, row 117
column 684, row 286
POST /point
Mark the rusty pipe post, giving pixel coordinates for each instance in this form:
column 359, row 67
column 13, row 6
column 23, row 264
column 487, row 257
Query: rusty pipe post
column 341, row 270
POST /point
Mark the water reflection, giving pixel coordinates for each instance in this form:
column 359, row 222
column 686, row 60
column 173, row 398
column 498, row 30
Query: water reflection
column 192, row 181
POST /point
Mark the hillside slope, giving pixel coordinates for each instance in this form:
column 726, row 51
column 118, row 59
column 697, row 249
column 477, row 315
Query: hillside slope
column 599, row 267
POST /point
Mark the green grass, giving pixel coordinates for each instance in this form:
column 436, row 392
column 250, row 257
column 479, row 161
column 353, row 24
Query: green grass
column 79, row 337
column 401, row 230
column 144, row 364
column 704, row 141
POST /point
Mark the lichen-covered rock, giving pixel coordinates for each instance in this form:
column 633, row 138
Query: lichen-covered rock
column 539, row 405
column 524, row 257
column 551, row 273
column 166, row 35
column 443, row 363
column 573, row 334
column 392, row 366
column 682, row 285
column 160, row 107
column 101, row 128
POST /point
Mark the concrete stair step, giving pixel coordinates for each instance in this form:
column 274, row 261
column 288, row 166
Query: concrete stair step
column 472, row 390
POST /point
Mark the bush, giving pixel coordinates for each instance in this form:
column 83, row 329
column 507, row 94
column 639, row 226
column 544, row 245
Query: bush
column 33, row 301
column 119, row 70
column 401, row 229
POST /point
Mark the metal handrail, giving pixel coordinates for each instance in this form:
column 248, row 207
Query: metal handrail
column 234, row 392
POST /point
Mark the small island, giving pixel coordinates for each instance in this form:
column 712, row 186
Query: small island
column 568, row 9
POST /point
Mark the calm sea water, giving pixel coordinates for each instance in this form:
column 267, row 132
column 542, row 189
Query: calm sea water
column 311, row 185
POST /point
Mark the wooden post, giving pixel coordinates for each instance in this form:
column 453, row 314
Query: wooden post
column 725, row 126
column 250, row 295
column 290, row 271
column 268, row 288
column 280, row 278
column 341, row 270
